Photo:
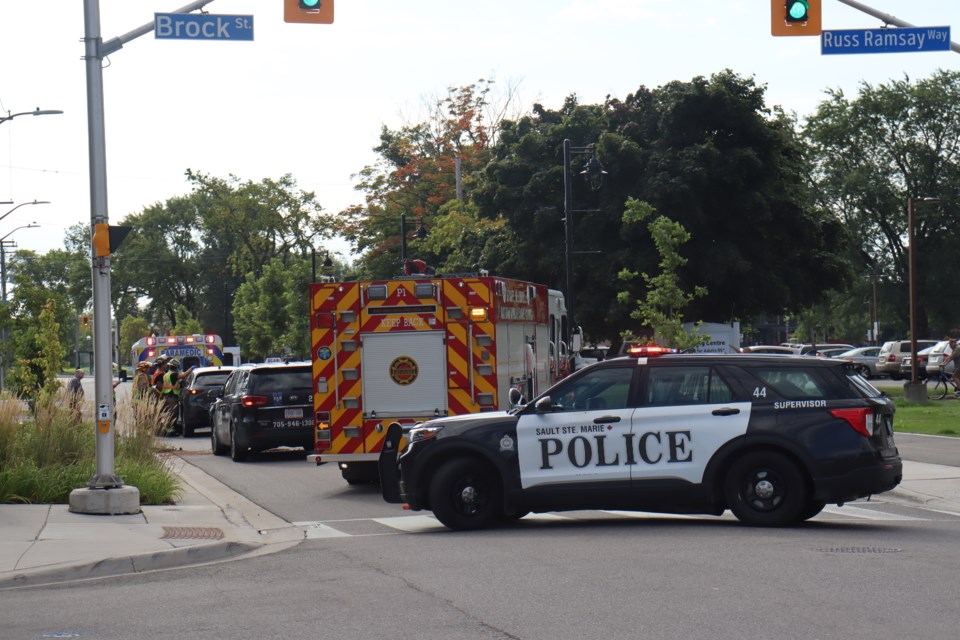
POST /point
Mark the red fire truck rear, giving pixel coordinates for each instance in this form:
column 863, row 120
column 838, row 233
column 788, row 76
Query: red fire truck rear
column 412, row 348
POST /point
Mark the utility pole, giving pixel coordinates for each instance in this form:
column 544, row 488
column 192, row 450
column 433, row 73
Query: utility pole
column 106, row 493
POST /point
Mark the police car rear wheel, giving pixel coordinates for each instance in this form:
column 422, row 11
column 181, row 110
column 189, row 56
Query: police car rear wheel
column 218, row 449
column 464, row 495
column 813, row 508
column 237, row 452
column 766, row 489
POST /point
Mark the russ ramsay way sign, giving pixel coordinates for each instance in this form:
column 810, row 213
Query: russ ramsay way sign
column 885, row 40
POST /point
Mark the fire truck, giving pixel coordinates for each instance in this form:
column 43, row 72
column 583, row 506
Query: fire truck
column 417, row 347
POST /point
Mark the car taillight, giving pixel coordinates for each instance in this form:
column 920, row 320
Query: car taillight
column 859, row 419
column 193, row 392
column 253, row 401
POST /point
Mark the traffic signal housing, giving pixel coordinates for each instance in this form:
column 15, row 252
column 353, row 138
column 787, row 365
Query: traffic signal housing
column 85, row 321
column 796, row 17
column 308, row 11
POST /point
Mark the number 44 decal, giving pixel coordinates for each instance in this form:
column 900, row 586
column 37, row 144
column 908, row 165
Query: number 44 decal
column 760, row 392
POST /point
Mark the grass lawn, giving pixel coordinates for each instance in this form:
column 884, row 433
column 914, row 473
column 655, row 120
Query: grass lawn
column 936, row 417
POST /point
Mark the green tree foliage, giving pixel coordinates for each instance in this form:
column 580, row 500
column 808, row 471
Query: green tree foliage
column 662, row 307
column 132, row 328
column 35, row 378
column 416, row 176
column 707, row 153
column 874, row 152
column 272, row 311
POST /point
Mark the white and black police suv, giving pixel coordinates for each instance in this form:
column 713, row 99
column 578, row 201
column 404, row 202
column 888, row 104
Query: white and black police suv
column 772, row 438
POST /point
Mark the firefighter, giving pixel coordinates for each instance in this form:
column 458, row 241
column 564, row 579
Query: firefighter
column 156, row 378
column 170, row 392
column 141, row 381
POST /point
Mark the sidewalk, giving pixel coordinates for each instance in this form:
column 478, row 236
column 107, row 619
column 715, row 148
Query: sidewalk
column 44, row 544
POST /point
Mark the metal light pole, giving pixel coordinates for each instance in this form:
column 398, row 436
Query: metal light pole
column 37, row 112
column 22, row 204
column 913, row 391
column 594, row 171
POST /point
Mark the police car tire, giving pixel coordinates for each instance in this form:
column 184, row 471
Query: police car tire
column 813, row 508
column 185, row 431
column 765, row 489
column 462, row 478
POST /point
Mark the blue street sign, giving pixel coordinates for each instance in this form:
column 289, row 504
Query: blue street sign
column 885, row 40
column 202, row 26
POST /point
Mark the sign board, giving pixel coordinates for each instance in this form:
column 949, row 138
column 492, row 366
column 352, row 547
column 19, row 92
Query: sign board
column 885, row 40
column 724, row 337
column 202, row 26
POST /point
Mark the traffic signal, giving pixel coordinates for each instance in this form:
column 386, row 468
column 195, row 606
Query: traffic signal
column 795, row 17
column 797, row 10
column 85, row 322
column 308, row 11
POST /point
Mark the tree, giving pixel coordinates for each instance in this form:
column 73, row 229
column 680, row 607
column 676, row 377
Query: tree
column 873, row 153
column 272, row 312
column 662, row 307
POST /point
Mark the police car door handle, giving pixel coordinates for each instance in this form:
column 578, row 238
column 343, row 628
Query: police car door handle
column 726, row 411
column 605, row 419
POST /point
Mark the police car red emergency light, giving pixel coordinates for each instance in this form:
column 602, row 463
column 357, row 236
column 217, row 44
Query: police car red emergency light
column 773, row 439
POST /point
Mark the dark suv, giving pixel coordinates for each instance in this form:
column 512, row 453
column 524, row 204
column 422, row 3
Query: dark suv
column 201, row 387
column 773, row 439
column 265, row 406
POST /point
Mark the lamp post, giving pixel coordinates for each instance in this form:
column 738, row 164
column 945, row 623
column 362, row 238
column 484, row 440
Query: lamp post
column 4, row 244
column 22, row 204
column 913, row 391
column 37, row 112
column 594, row 172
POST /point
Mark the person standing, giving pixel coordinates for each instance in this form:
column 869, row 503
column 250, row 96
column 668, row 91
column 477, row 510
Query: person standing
column 954, row 357
column 141, row 381
column 75, row 388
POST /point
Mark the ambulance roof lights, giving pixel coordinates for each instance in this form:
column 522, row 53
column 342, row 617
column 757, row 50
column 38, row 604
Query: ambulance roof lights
column 478, row 314
column 190, row 339
column 171, row 340
column 151, row 341
column 211, row 339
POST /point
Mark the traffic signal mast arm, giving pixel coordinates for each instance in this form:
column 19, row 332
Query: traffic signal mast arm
column 889, row 19
column 117, row 43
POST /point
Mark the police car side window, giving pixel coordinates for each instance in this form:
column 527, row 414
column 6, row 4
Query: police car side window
column 686, row 385
column 595, row 391
column 792, row 383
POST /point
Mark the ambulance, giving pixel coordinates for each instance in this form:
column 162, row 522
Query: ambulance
column 197, row 350
column 418, row 347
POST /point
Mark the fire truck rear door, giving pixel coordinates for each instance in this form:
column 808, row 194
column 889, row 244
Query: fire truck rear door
column 404, row 374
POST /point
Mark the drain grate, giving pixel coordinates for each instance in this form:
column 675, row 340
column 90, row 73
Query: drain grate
column 191, row 533
column 860, row 550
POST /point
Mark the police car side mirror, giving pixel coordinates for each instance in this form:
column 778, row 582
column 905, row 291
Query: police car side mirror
column 544, row 404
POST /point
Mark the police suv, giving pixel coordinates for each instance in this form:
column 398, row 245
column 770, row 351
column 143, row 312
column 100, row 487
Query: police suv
column 772, row 438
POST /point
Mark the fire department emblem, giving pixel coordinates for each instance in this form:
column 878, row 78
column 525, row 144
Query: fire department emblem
column 324, row 353
column 404, row 370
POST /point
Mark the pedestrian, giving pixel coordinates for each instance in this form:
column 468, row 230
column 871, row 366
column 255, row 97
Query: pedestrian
column 75, row 388
column 170, row 392
column 156, row 380
column 954, row 357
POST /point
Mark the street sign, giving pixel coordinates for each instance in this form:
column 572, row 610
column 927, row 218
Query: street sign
column 885, row 40
column 202, row 26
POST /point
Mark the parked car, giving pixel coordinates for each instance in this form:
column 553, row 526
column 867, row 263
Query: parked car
column 201, row 387
column 589, row 355
column 906, row 364
column 865, row 358
column 807, row 348
column 263, row 407
column 828, row 352
column 936, row 357
column 891, row 355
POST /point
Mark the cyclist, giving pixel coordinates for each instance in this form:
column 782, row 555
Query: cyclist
column 954, row 357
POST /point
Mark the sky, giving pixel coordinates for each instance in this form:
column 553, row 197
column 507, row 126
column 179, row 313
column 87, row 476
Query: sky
column 310, row 100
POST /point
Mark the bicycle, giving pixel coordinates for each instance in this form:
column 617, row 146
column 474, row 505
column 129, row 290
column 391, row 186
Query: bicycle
column 941, row 385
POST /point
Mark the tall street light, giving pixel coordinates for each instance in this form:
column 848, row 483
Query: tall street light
column 594, row 173
column 4, row 244
column 22, row 204
column 37, row 112
column 913, row 391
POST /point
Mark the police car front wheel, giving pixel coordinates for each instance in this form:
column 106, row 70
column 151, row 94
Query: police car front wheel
column 465, row 494
column 766, row 489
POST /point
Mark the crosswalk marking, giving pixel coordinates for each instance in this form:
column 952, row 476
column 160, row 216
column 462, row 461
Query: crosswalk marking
column 429, row 524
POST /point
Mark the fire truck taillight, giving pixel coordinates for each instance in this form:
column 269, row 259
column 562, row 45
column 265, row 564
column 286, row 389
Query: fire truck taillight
column 478, row 314
column 323, row 430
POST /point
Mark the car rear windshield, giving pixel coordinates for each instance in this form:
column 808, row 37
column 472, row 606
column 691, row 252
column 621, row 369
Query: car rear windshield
column 280, row 380
column 215, row 379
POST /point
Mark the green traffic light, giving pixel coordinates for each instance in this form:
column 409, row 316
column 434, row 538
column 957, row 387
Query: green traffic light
column 309, row 4
column 797, row 10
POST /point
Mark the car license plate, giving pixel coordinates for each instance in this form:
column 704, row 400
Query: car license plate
column 292, row 414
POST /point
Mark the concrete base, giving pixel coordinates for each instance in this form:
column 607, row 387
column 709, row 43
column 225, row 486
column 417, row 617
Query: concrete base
column 109, row 502
column 915, row 392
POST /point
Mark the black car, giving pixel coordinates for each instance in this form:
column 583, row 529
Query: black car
column 774, row 439
column 265, row 406
column 201, row 387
